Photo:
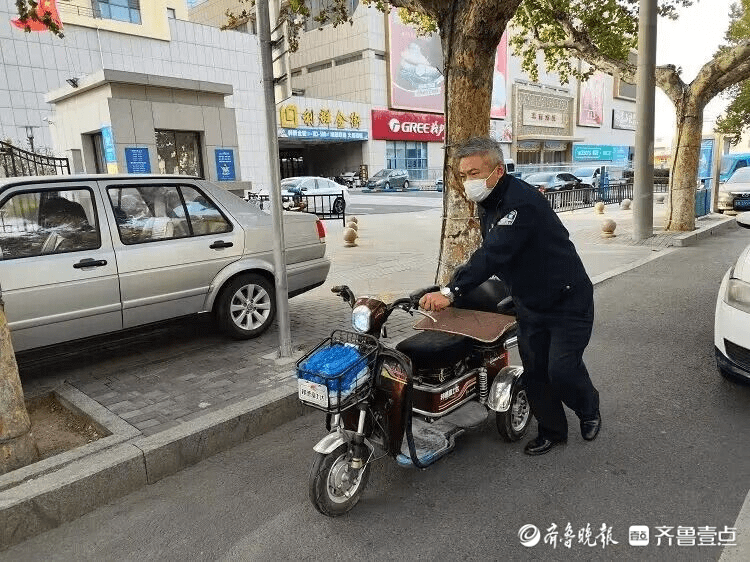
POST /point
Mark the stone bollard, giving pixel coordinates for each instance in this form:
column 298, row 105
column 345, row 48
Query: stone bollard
column 608, row 228
column 350, row 237
column 625, row 205
column 599, row 208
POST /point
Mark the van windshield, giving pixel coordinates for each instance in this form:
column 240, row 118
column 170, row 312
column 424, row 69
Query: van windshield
column 726, row 164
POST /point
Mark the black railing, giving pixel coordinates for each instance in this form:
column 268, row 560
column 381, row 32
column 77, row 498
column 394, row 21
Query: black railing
column 15, row 162
column 568, row 200
column 326, row 207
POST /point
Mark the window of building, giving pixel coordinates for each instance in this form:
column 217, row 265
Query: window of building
column 622, row 89
column 408, row 155
column 171, row 13
column 179, row 152
column 316, row 6
column 120, row 10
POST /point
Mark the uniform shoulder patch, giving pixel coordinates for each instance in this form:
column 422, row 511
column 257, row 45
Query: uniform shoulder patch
column 508, row 219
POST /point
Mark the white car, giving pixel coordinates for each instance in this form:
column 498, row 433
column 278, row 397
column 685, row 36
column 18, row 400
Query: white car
column 318, row 195
column 732, row 319
column 588, row 175
column 734, row 194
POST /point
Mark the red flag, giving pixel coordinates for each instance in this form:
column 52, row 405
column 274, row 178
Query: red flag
column 44, row 7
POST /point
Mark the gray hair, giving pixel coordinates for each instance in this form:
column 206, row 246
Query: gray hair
column 479, row 145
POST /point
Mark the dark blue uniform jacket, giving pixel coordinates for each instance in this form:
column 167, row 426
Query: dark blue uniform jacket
column 526, row 246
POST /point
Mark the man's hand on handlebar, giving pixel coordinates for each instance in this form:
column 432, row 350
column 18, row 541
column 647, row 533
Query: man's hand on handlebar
column 434, row 302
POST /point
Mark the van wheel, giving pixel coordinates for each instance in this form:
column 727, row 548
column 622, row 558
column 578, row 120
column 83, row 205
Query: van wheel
column 387, row 185
column 246, row 307
column 406, row 185
column 339, row 205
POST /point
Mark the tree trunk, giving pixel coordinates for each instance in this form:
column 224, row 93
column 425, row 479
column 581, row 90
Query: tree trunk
column 683, row 175
column 470, row 34
column 17, row 446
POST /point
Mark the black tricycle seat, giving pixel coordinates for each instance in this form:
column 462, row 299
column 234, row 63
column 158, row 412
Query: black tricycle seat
column 435, row 350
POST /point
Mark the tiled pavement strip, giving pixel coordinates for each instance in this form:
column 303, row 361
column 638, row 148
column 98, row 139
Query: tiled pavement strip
column 160, row 377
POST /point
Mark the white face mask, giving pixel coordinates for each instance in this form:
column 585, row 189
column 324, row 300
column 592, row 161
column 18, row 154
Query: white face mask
column 477, row 190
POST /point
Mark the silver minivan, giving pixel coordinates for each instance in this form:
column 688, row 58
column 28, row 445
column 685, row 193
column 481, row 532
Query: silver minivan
column 86, row 255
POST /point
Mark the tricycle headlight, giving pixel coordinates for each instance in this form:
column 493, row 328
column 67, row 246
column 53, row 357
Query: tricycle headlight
column 738, row 295
column 361, row 318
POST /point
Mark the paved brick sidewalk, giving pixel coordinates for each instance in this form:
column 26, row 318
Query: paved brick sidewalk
column 160, row 377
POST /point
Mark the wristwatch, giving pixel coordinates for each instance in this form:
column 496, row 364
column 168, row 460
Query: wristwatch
column 447, row 293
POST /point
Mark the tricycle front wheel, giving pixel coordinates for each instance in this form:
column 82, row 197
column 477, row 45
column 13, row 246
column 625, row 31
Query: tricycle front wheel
column 335, row 487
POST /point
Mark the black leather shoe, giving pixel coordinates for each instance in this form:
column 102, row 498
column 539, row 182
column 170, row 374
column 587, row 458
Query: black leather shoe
column 590, row 428
column 540, row 445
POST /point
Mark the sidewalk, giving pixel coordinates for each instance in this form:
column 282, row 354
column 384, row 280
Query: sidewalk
column 173, row 395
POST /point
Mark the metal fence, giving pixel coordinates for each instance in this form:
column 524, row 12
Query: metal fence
column 587, row 197
column 326, row 207
column 15, row 162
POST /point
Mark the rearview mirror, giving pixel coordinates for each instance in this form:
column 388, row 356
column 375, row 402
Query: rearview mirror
column 743, row 219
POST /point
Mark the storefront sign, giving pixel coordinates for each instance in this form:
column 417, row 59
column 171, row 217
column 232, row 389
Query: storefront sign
column 309, row 115
column 592, row 152
column 400, row 125
column 137, row 160
column 225, row 164
column 542, row 118
column 601, row 152
column 623, row 120
column 322, row 134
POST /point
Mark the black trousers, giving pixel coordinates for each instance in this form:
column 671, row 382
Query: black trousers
column 551, row 347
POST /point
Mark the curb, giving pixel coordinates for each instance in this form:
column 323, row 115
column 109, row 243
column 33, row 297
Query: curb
column 49, row 496
column 691, row 238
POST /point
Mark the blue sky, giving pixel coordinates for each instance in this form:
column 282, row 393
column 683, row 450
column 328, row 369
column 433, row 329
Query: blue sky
column 689, row 43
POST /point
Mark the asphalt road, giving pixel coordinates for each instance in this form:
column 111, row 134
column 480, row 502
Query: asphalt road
column 672, row 453
column 381, row 202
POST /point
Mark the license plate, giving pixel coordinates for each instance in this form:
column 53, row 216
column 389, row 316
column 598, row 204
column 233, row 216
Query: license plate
column 742, row 203
column 313, row 393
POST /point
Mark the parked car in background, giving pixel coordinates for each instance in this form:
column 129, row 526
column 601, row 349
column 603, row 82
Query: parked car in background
column 734, row 194
column 349, row 179
column 559, row 182
column 555, row 181
column 588, row 175
column 389, row 179
column 322, row 194
column 732, row 317
column 87, row 255
column 439, row 184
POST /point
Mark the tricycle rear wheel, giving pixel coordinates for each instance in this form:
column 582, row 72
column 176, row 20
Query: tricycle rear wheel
column 512, row 425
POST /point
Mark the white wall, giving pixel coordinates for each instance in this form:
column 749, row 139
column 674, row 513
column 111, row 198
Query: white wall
column 33, row 64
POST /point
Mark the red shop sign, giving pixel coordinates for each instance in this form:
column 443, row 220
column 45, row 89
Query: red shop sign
column 402, row 125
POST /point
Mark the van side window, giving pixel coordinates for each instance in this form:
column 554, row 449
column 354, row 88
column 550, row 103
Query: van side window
column 48, row 222
column 741, row 164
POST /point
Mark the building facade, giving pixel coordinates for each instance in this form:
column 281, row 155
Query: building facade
column 381, row 63
column 136, row 90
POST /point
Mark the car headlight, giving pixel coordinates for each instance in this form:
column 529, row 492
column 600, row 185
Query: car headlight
column 361, row 318
column 738, row 294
